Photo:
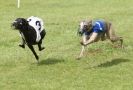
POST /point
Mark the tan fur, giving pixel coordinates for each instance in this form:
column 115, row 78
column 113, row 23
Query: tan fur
column 94, row 37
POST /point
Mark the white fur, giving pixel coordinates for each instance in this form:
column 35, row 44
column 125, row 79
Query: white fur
column 32, row 22
column 81, row 25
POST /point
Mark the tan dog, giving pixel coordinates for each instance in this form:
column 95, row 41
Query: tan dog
column 93, row 31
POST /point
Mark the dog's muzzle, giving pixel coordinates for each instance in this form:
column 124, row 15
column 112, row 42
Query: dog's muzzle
column 14, row 25
column 81, row 32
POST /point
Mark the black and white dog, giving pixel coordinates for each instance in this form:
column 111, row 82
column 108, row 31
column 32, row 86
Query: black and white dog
column 32, row 32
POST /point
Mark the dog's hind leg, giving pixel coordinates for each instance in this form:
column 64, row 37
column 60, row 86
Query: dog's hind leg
column 40, row 47
column 33, row 51
column 43, row 33
column 112, row 36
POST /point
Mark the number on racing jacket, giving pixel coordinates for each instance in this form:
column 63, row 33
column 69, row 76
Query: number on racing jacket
column 38, row 23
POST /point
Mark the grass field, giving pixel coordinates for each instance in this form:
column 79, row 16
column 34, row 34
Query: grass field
column 102, row 68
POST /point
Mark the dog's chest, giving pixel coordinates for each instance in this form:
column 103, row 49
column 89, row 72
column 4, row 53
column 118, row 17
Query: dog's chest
column 29, row 36
column 22, row 36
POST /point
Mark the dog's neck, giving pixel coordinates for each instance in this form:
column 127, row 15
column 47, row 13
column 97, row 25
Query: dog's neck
column 89, row 30
column 24, row 29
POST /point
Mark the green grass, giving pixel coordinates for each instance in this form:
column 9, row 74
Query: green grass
column 102, row 68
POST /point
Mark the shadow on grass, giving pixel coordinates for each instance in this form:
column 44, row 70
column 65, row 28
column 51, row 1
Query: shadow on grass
column 113, row 62
column 50, row 61
column 93, row 51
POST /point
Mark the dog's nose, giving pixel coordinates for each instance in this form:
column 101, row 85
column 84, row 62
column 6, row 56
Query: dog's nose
column 80, row 32
column 13, row 23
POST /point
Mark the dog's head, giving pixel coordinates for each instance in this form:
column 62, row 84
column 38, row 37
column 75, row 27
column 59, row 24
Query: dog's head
column 20, row 24
column 84, row 26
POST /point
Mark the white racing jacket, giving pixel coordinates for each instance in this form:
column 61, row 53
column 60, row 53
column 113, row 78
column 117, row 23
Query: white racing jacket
column 37, row 24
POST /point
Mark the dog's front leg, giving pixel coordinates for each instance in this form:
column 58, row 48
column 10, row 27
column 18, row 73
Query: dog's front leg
column 82, row 52
column 93, row 38
column 33, row 51
column 22, row 44
column 84, row 39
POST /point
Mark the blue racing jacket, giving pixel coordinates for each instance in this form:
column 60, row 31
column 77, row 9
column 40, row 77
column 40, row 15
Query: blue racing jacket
column 98, row 27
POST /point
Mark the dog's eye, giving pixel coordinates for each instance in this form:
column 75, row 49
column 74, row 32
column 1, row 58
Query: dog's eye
column 90, row 24
column 20, row 23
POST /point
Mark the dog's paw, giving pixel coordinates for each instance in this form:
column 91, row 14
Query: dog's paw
column 82, row 43
column 41, row 48
column 78, row 58
column 22, row 46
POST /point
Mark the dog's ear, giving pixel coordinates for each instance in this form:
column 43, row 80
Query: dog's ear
column 89, row 24
column 24, row 22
